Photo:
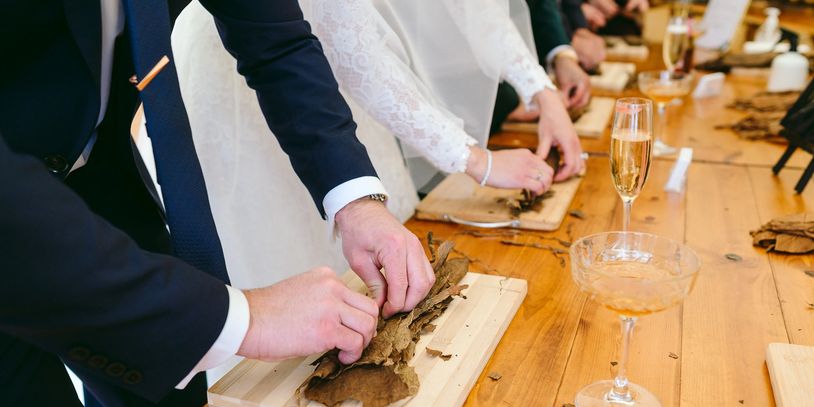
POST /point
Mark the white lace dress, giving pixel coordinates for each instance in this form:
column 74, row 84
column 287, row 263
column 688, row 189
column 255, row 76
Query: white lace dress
column 268, row 225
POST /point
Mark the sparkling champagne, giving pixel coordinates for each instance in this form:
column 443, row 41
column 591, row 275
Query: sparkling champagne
column 630, row 161
column 633, row 289
column 676, row 44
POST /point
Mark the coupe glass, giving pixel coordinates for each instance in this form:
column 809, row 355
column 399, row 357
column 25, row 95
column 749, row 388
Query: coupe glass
column 633, row 274
column 630, row 149
column 663, row 87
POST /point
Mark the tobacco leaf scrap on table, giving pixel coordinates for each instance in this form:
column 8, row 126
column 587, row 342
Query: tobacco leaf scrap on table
column 382, row 376
column 758, row 126
column 792, row 234
column 766, row 102
column 495, row 376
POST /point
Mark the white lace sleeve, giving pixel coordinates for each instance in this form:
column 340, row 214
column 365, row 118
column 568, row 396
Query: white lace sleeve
column 378, row 81
column 498, row 36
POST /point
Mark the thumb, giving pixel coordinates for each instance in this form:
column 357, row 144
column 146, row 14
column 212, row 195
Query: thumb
column 369, row 273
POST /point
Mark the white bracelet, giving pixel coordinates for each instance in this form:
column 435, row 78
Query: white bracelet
column 488, row 168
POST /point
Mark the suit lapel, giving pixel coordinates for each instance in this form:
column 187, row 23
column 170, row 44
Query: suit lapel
column 85, row 21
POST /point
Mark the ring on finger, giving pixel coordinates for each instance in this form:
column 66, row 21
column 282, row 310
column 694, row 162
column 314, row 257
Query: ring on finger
column 539, row 176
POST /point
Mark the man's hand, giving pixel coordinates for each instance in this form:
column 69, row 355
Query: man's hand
column 637, row 5
column 590, row 48
column 518, row 168
column 555, row 129
column 594, row 16
column 309, row 313
column 609, row 8
column 572, row 81
column 373, row 239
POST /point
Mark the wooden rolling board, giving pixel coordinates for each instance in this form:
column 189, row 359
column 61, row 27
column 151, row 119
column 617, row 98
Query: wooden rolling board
column 591, row 124
column 461, row 197
column 613, row 76
column 469, row 330
column 791, row 368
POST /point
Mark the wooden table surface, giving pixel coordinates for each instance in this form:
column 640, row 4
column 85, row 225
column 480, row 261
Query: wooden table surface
column 559, row 341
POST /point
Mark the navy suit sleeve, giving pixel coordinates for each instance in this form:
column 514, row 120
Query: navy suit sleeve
column 547, row 27
column 572, row 9
column 283, row 62
column 76, row 286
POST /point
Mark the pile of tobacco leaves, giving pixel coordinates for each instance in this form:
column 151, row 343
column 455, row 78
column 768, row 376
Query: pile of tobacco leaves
column 382, row 376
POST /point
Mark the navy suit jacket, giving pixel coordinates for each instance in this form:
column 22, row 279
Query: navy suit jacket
column 75, row 285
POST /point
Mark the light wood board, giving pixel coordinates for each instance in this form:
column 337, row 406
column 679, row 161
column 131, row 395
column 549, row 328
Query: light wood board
column 791, row 368
column 469, row 329
column 613, row 76
column 591, row 124
column 461, row 197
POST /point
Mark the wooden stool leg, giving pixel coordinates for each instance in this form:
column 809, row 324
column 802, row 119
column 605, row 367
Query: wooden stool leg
column 801, row 184
column 784, row 159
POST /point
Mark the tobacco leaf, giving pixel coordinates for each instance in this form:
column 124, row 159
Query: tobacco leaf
column 382, row 376
column 438, row 353
column 810, row 273
column 495, row 376
column 733, row 257
column 792, row 234
column 576, row 213
column 673, row 355
column 614, row 363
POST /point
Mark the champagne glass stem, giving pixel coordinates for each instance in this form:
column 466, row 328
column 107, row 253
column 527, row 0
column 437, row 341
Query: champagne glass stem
column 661, row 111
column 620, row 391
column 628, row 205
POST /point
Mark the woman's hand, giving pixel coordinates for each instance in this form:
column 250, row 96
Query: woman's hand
column 518, row 168
column 555, row 129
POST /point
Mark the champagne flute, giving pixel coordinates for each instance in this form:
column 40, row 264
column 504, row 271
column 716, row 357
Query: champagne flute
column 630, row 149
column 676, row 43
column 633, row 274
column 663, row 87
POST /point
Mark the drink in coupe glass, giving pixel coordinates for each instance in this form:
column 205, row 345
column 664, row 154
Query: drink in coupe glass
column 632, row 274
column 630, row 149
column 663, row 87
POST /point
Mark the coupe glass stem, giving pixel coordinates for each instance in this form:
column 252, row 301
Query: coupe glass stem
column 661, row 111
column 620, row 391
column 628, row 205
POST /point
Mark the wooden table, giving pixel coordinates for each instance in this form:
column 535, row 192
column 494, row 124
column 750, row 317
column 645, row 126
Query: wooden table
column 560, row 341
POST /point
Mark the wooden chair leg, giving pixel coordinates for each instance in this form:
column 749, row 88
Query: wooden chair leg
column 784, row 158
column 801, row 184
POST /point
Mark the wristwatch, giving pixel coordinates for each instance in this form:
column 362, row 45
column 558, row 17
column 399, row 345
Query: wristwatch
column 377, row 197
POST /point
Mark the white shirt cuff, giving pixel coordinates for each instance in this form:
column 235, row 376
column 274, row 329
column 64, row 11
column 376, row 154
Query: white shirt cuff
column 549, row 58
column 347, row 192
column 230, row 338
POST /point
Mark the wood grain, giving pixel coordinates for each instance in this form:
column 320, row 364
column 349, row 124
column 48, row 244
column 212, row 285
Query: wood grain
column 469, row 330
column 734, row 312
column 459, row 196
column 791, row 368
column 775, row 197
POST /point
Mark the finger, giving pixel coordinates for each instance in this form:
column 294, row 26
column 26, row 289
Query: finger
column 534, row 185
column 544, row 146
column 361, row 302
column 417, row 276
column 571, row 156
column 394, row 261
column 364, row 267
column 358, row 321
column 581, row 95
column 350, row 344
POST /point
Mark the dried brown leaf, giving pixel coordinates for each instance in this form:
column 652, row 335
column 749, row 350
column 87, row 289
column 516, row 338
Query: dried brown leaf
column 733, row 257
column 614, row 363
column 495, row 376
column 673, row 355
column 810, row 273
column 576, row 213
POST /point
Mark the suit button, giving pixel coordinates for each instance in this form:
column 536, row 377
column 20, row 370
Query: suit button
column 78, row 353
column 115, row 369
column 132, row 377
column 97, row 361
column 56, row 163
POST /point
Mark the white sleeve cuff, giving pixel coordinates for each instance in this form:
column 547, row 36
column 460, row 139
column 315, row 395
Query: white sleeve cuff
column 549, row 58
column 347, row 192
column 230, row 338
